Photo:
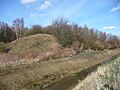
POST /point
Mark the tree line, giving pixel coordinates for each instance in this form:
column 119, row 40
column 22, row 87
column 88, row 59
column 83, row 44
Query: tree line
column 68, row 35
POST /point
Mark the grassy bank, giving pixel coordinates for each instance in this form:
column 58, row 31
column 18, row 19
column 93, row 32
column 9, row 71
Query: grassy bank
column 38, row 74
column 107, row 77
column 39, row 47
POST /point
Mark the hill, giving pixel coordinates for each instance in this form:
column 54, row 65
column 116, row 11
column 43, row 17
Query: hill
column 34, row 43
column 35, row 47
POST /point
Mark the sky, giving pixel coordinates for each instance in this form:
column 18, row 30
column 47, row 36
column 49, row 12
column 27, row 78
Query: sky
column 103, row 15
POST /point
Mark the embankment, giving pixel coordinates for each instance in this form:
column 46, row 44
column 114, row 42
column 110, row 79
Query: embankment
column 41, row 74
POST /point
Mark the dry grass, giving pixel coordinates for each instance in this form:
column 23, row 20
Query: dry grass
column 40, row 47
column 19, row 75
column 106, row 77
column 8, row 59
column 34, row 43
column 2, row 47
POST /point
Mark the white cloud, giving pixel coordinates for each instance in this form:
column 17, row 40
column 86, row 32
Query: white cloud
column 115, row 8
column 46, row 4
column 109, row 28
column 36, row 15
column 28, row 1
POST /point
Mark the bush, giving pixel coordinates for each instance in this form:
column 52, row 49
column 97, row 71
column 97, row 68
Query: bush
column 97, row 45
column 36, row 29
column 2, row 47
column 77, row 47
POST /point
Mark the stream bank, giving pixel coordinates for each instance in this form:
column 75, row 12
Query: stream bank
column 71, row 81
column 38, row 75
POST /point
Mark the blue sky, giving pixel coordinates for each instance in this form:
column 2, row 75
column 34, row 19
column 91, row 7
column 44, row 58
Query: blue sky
column 99, row 14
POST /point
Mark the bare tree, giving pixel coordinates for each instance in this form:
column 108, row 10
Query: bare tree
column 63, row 31
column 4, row 25
column 18, row 25
column 6, row 33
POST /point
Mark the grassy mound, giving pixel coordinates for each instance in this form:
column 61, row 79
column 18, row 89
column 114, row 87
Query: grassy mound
column 39, row 46
column 34, row 43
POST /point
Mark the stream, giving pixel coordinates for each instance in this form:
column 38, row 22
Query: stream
column 70, row 81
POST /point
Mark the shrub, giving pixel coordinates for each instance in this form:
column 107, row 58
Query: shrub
column 2, row 47
column 36, row 29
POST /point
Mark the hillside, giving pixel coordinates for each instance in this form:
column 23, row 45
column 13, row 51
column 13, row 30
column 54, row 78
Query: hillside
column 35, row 47
column 34, row 43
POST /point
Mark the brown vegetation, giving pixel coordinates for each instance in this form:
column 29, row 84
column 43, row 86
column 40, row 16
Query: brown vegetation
column 2, row 47
column 68, row 35
column 34, row 43
column 21, row 65
column 107, row 77
column 40, row 47
column 24, row 75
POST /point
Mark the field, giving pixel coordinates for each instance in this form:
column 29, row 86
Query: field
column 39, row 74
